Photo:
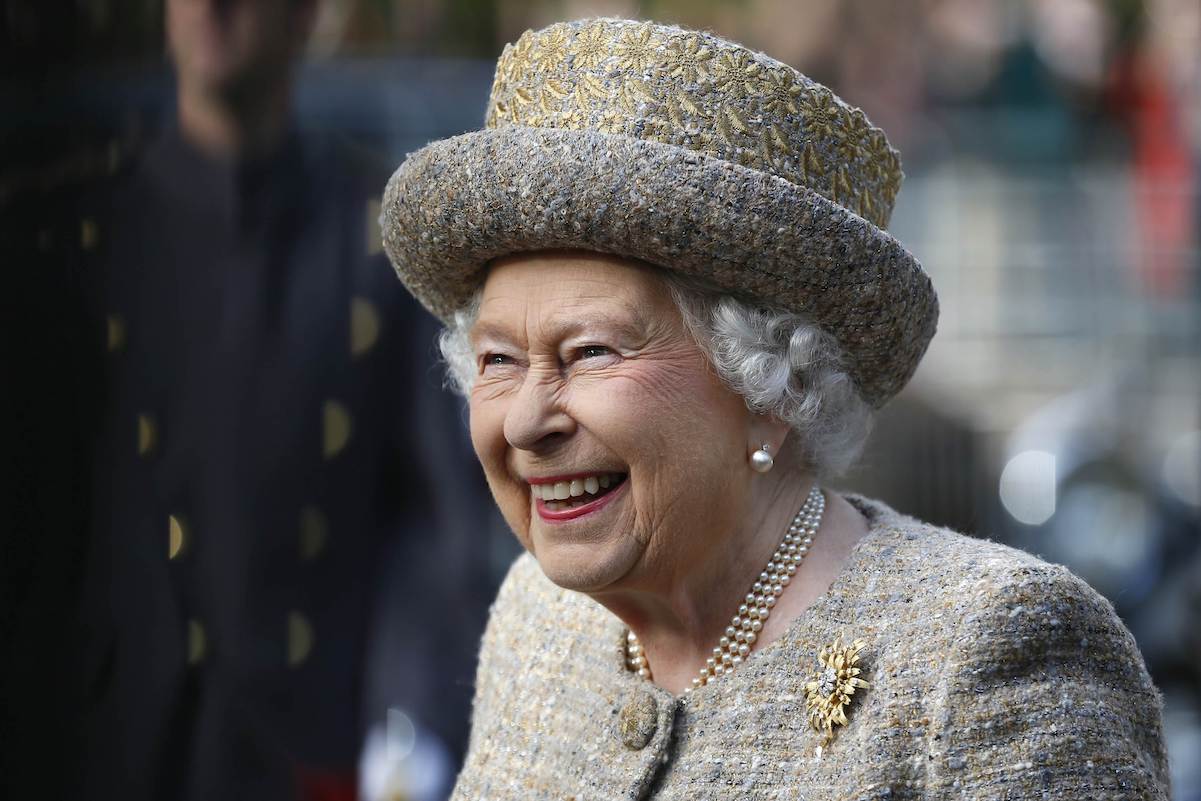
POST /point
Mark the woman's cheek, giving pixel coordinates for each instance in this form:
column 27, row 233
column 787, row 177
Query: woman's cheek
column 666, row 382
column 515, row 508
column 487, row 407
column 487, row 425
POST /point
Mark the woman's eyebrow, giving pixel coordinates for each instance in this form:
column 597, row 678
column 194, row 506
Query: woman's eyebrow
column 484, row 329
column 626, row 324
column 563, row 326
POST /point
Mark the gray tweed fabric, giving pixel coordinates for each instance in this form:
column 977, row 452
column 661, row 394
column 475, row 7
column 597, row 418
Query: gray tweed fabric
column 684, row 150
column 993, row 676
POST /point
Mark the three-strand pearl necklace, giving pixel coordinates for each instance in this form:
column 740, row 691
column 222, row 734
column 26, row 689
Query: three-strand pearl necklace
column 742, row 633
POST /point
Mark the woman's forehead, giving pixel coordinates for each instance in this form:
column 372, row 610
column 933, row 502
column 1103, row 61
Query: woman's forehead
column 568, row 288
column 579, row 266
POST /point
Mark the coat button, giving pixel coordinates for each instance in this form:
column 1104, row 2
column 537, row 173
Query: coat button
column 177, row 536
column 300, row 639
column 336, row 428
column 638, row 721
column 89, row 233
column 197, row 643
column 314, row 529
column 364, row 326
column 114, row 337
column 147, row 436
column 375, row 238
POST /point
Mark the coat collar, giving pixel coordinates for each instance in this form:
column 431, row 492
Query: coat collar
column 626, row 725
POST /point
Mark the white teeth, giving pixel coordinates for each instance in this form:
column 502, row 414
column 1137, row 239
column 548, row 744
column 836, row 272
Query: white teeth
column 563, row 490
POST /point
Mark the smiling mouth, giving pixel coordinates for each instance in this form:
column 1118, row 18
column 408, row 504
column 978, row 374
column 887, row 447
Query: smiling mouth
column 561, row 496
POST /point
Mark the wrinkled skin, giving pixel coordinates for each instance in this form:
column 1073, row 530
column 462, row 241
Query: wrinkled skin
column 585, row 365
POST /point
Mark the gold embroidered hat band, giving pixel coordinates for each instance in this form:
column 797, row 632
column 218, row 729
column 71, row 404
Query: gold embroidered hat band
column 680, row 149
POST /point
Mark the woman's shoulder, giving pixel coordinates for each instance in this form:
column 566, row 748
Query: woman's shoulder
column 939, row 566
column 988, row 604
column 1026, row 654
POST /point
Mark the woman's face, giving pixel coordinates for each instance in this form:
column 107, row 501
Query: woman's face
column 613, row 451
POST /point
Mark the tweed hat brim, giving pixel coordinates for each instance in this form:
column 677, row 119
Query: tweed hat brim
column 458, row 203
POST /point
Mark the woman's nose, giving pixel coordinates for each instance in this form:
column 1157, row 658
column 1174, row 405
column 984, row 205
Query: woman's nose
column 536, row 418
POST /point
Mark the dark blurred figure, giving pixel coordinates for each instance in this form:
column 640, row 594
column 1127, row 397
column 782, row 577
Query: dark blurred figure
column 237, row 402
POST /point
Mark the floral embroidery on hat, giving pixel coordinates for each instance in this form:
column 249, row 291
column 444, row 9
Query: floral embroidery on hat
column 739, row 75
column 782, row 93
column 591, row 46
column 551, row 48
column 689, row 58
column 636, row 48
column 695, row 90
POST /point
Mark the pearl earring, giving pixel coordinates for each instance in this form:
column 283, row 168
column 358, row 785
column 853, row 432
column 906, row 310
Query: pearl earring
column 761, row 460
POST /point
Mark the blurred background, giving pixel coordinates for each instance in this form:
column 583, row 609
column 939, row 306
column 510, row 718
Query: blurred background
column 1051, row 152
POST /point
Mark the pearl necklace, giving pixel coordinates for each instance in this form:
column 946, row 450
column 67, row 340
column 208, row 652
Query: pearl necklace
column 740, row 636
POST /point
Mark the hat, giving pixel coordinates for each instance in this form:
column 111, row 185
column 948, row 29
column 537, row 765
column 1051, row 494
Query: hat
column 684, row 150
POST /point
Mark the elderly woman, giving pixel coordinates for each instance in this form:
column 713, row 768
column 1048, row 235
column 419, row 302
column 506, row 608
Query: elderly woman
column 673, row 305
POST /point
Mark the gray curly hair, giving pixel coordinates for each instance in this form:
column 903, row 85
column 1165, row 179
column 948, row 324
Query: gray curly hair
column 778, row 361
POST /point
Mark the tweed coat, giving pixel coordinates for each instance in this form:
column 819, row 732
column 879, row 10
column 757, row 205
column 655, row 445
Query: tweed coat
column 993, row 675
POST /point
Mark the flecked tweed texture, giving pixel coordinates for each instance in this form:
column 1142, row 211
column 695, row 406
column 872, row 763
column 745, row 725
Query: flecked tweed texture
column 993, row 676
column 684, row 150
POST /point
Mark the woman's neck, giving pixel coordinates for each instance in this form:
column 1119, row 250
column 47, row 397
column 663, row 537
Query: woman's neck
column 681, row 621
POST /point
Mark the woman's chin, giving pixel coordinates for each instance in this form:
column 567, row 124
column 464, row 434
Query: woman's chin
column 585, row 566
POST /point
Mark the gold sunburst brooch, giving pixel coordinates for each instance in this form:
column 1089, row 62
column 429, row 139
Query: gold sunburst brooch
column 829, row 693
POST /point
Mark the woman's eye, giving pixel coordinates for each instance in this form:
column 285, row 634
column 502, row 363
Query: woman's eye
column 496, row 358
column 592, row 351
